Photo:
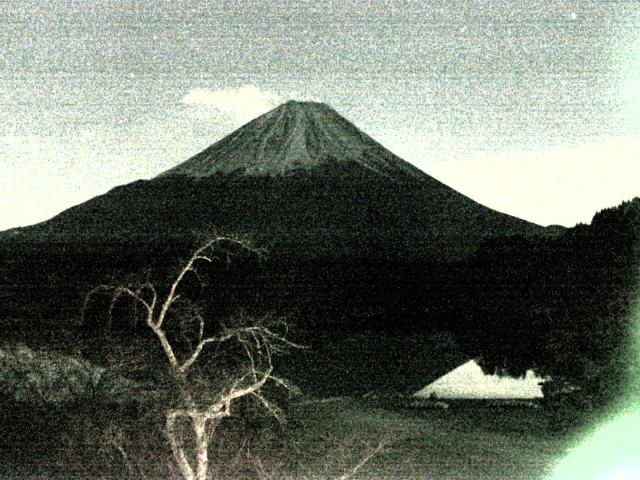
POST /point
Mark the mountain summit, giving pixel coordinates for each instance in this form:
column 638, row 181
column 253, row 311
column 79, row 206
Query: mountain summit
column 294, row 136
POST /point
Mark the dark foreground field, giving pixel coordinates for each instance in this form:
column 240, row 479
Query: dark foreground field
column 322, row 439
column 463, row 442
column 72, row 418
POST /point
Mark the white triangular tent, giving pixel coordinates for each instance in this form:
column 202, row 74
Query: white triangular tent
column 468, row 381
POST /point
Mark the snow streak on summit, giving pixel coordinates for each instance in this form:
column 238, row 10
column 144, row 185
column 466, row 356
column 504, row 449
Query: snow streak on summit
column 294, row 136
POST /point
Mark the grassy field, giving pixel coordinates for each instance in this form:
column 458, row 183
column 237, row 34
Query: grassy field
column 320, row 440
column 93, row 437
column 459, row 443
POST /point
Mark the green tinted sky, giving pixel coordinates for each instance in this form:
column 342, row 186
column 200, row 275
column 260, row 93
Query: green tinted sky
column 531, row 107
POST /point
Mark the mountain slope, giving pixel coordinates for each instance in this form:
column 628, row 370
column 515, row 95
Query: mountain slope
column 299, row 180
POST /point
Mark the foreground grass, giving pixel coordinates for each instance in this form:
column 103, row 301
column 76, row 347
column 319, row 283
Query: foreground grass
column 464, row 443
column 96, row 438
column 321, row 440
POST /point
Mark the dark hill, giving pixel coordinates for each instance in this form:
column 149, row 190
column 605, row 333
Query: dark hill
column 566, row 306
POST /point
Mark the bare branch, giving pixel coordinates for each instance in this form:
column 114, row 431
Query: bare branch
column 264, row 331
column 90, row 294
column 283, row 383
column 235, row 392
column 171, row 296
column 272, row 409
column 256, row 332
column 136, row 295
column 166, row 346
column 197, row 275
column 196, row 353
column 200, row 327
column 178, row 453
column 372, row 453
column 202, row 257
column 148, row 286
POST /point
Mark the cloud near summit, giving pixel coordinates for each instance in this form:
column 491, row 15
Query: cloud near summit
column 244, row 103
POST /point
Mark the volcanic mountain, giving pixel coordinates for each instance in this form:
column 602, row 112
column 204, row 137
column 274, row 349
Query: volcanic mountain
column 367, row 252
column 299, row 180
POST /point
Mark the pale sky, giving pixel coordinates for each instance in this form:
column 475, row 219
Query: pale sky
column 529, row 107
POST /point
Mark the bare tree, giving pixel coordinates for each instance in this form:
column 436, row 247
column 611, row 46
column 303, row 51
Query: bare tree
column 258, row 340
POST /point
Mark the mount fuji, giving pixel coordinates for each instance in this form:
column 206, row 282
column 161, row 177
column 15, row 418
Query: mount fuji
column 368, row 252
column 299, row 180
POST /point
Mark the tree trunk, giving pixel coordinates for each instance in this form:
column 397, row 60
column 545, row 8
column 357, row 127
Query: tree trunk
column 202, row 447
column 178, row 453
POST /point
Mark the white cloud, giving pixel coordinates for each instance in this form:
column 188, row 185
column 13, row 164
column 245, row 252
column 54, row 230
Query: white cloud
column 243, row 103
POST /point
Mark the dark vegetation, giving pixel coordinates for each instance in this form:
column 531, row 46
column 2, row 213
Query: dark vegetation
column 320, row 440
column 348, row 252
column 561, row 306
column 556, row 304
